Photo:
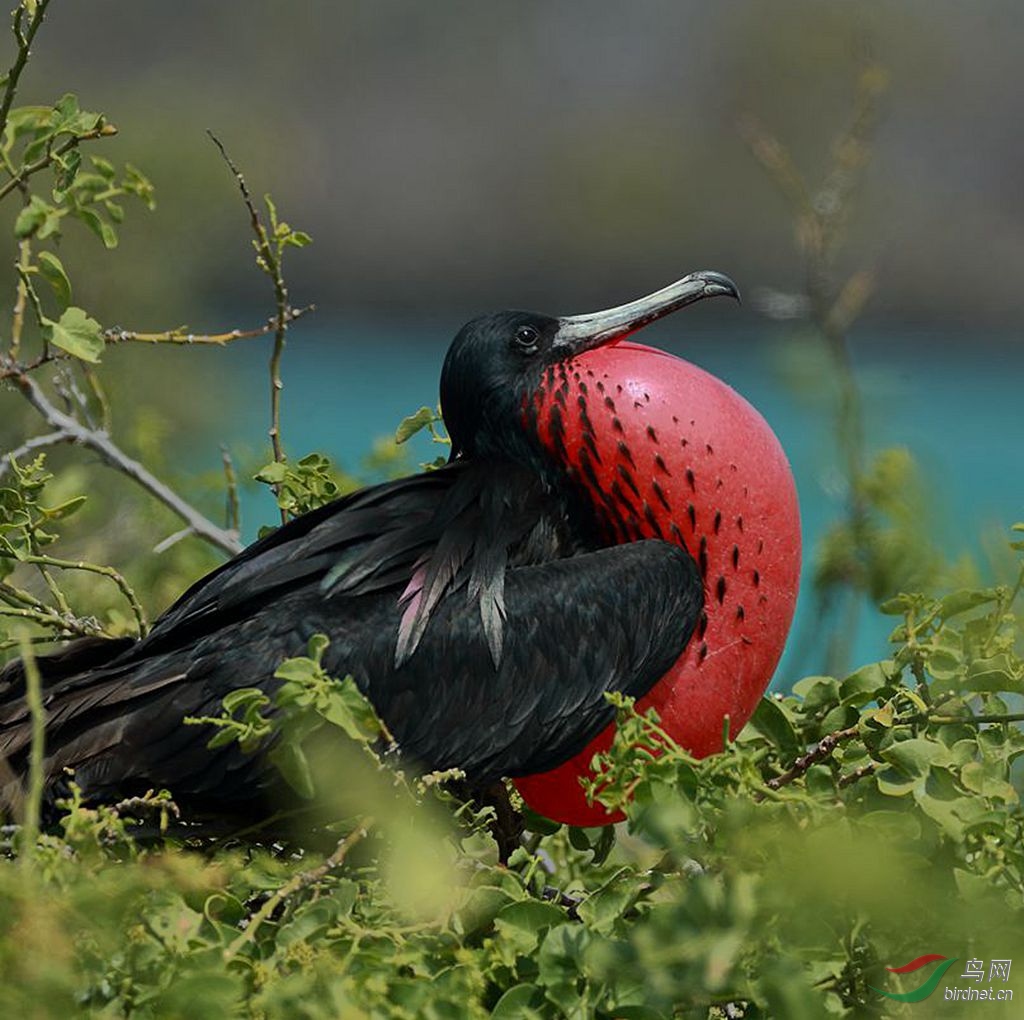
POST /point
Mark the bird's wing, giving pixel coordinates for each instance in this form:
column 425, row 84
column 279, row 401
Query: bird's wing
column 611, row 620
column 371, row 539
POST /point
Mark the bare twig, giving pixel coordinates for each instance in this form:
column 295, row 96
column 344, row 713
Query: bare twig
column 857, row 774
column 297, row 883
column 269, row 261
column 24, row 36
column 37, row 714
column 113, row 455
column 94, row 568
column 21, row 294
column 233, row 512
column 10, row 368
column 172, row 540
column 822, row 750
column 181, row 336
column 35, row 443
column 51, row 619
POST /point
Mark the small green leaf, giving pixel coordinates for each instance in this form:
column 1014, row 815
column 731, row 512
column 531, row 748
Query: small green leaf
column 63, row 510
column 52, row 270
column 103, row 167
column 521, row 1002
column 958, row 602
column 412, row 424
column 32, row 217
column 916, row 757
column 293, row 764
column 772, row 723
column 522, row 923
column 103, row 230
column 273, row 473
column 864, row 685
column 349, row 710
column 77, row 334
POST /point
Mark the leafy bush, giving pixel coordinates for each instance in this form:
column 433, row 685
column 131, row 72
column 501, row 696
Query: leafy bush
column 861, row 821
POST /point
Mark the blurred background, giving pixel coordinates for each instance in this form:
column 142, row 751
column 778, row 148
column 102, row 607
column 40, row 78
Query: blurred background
column 455, row 158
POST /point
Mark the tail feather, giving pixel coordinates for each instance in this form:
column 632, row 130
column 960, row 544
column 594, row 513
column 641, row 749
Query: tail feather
column 77, row 657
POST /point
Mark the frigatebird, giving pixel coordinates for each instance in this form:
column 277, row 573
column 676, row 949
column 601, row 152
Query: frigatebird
column 485, row 608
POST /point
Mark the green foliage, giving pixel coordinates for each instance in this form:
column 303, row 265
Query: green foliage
column 854, row 824
column 306, row 484
column 428, row 419
column 862, row 820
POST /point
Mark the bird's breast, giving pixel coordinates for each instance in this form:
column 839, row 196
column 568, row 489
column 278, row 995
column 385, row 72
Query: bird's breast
column 661, row 449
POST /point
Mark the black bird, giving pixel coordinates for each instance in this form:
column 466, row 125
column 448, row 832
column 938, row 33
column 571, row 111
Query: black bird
column 482, row 607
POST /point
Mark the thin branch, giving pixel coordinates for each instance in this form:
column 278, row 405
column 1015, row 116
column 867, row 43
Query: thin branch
column 35, row 443
column 822, row 750
column 52, row 620
column 20, row 297
column 857, row 775
column 10, row 369
column 269, row 261
column 26, row 171
column 116, row 458
column 36, row 777
column 233, row 510
column 24, row 46
column 297, row 883
column 94, row 568
column 172, row 540
column 180, row 336
column 976, row 720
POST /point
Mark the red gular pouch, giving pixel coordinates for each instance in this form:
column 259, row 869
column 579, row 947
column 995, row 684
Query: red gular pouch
column 671, row 452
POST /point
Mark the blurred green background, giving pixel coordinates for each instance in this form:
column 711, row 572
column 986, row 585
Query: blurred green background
column 451, row 159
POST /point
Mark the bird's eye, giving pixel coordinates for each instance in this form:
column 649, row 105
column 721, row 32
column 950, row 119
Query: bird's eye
column 527, row 337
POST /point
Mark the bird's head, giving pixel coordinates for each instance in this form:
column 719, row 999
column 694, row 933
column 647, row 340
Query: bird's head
column 496, row 362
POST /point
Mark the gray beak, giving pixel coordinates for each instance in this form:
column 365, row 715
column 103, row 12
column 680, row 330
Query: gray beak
column 578, row 333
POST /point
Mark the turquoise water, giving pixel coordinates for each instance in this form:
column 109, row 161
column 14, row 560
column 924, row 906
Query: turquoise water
column 956, row 404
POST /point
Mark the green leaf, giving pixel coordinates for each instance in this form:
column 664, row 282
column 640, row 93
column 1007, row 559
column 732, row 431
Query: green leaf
column 103, row 230
column 104, row 167
column 349, row 710
column 865, row 684
column 66, row 171
column 31, row 217
column 963, row 601
column 293, row 764
column 77, row 334
column 52, row 271
column 272, row 473
column 994, row 674
column 522, row 923
column 521, row 1002
column 916, row 757
column 771, row 722
column 63, row 510
column 414, row 423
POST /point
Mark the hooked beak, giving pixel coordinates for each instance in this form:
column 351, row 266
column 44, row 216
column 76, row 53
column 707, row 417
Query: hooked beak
column 578, row 333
